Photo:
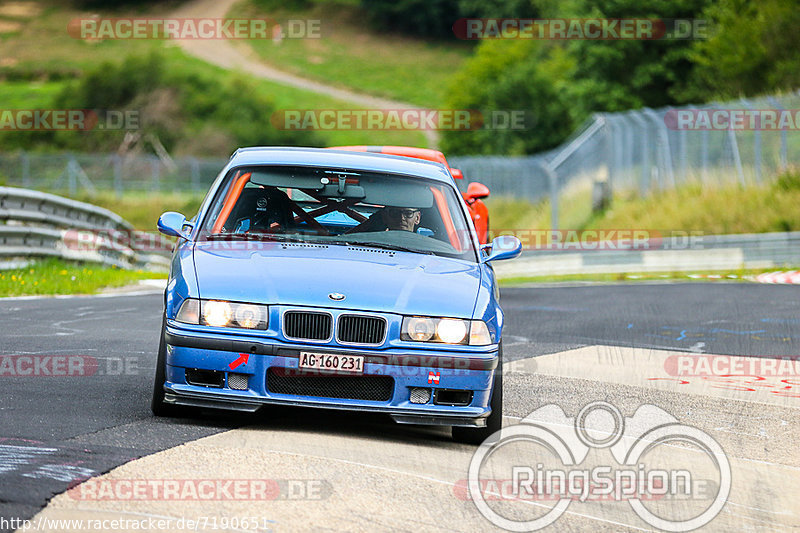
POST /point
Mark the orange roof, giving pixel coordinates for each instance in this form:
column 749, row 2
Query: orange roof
column 406, row 151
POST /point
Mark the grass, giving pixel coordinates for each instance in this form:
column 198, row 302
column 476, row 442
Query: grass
column 54, row 276
column 143, row 209
column 349, row 54
column 43, row 48
column 291, row 98
column 717, row 210
column 39, row 58
column 29, row 94
column 722, row 275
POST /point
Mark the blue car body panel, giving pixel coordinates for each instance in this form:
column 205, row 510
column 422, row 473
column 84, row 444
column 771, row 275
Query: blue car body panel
column 282, row 275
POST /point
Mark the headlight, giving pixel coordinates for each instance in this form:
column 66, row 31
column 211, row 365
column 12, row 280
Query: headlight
column 217, row 313
column 419, row 329
column 445, row 330
column 451, row 331
column 189, row 313
column 479, row 333
column 222, row 314
column 250, row 316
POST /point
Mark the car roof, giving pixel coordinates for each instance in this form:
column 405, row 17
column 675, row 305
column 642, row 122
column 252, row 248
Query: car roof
column 406, row 151
column 326, row 157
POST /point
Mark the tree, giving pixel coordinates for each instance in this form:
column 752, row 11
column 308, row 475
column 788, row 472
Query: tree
column 517, row 75
column 753, row 49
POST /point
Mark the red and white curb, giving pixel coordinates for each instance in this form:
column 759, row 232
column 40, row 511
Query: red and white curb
column 782, row 277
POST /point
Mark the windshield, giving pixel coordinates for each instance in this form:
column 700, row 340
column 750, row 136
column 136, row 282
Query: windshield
column 338, row 206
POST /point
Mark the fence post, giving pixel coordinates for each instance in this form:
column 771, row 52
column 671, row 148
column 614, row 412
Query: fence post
column 552, row 178
column 71, row 177
column 155, row 173
column 663, row 152
column 704, row 155
column 737, row 159
column 630, row 142
column 118, row 175
column 26, row 169
column 195, row 173
column 644, row 180
column 756, row 146
column 784, row 153
column 682, row 155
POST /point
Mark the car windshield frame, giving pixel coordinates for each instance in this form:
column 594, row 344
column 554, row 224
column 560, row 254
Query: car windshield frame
column 349, row 197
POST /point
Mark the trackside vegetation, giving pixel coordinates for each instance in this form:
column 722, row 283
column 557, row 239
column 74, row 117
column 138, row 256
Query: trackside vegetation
column 54, row 276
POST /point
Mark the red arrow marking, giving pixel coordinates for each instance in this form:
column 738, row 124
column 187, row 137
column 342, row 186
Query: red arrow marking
column 242, row 360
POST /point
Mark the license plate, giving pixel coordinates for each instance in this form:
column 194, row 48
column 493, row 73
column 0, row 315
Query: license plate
column 332, row 362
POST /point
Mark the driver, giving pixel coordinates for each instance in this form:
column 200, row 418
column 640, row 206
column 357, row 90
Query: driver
column 399, row 218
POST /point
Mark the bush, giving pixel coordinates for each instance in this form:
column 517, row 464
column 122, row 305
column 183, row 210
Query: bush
column 172, row 103
column 521, row 75
column 789, row 180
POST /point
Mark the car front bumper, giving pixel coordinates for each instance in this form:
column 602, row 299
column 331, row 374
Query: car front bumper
column 450, row 370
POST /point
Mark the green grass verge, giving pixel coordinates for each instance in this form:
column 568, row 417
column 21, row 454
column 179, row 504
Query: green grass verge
column 54, row 276
column 352, row 55
column 722, row 275
column 29, row 94
column 717, row 210
column 722, row 210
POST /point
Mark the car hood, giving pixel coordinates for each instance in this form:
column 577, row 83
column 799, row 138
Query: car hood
column 305, row 274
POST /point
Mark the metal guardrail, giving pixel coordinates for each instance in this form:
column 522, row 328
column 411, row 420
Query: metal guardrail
column 707, row 252
column 37, row 224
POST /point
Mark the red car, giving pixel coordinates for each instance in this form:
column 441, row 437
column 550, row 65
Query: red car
column 475, row 191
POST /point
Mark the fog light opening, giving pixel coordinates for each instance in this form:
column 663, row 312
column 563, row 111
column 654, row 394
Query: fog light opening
column 420, row 395
column 238, row 381
column 452, row 397
column 205, row 378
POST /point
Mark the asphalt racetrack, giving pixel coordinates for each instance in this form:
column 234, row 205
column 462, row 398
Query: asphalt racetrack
column 625, row 345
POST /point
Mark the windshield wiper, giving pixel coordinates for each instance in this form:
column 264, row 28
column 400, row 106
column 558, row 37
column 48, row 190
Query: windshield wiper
column 253, row 237
column 385, row 246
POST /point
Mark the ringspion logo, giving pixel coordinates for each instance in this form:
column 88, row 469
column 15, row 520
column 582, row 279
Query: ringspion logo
column 599, row 455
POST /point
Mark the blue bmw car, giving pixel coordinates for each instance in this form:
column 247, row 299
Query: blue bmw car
column 338, row 280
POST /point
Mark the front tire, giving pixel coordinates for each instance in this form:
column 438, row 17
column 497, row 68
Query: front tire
column 494, row 421
column 157, row 404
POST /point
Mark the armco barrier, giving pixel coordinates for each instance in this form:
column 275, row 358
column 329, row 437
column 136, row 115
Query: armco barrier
column 707, row 252
column 37, row 224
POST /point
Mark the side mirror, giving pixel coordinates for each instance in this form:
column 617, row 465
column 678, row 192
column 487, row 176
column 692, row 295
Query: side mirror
column 172, row 224
column 457, row 174
column 476, row 190
column 503, row 247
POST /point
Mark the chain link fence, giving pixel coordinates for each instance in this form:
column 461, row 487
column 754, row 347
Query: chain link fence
column 745, row 142
column 638, row 152
column 70, row 174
